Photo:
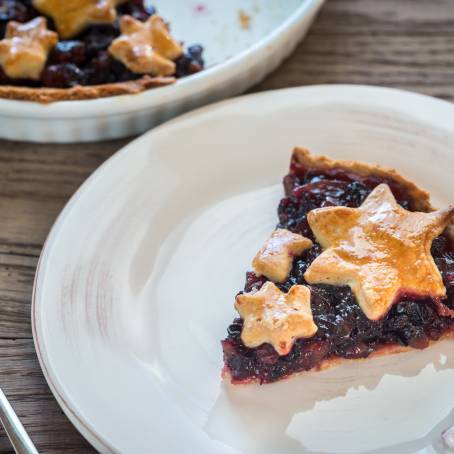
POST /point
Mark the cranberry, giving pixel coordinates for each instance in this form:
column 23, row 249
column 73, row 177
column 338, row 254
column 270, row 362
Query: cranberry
column 438, row 246
column 4, row 79
column 101, row 69
column 64, row 75
column 354, row 350
column 191, row 62
column 266, row 355
column 11, row 10
column 241, row 367
column 195, row 51
column 68, row 52
column 253, row 282
column 307, row 354
column 99, row 37
column 139, row 9
column 234, row 330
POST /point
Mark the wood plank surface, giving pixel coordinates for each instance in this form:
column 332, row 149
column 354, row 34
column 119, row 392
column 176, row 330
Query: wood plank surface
column 406, row 44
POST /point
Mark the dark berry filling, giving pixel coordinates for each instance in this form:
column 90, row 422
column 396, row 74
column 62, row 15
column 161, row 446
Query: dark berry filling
column 84, row 59
column 343, row 329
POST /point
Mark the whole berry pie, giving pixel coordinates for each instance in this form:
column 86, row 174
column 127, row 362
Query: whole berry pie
column 54, row 50
column 360, row 265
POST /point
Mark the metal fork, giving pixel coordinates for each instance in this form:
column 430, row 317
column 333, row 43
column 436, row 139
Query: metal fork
column 14, row 429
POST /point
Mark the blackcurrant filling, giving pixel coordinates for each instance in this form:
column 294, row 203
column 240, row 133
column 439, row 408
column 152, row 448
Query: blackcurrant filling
column 84, row 60
column 343, row 329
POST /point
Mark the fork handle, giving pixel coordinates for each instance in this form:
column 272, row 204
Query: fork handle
column 14, row 429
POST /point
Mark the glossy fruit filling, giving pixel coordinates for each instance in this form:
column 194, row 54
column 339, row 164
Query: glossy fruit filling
column 343, row 329
column 84, row 60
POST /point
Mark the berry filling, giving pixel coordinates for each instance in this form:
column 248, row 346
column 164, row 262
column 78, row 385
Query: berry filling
column 343, row 329
column 84, row 60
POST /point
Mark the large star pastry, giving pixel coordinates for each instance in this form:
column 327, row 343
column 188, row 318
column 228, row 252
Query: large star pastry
column 146, row 47
column 380, row 250
column 276, row 317
column 24, row 50
column 73, row 16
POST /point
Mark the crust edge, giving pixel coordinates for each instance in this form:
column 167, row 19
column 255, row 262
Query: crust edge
column 330, row 363
column 421, row 196
column 83, row 92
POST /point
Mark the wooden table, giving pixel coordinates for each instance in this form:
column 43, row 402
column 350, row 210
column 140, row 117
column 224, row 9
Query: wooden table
column 407, row 44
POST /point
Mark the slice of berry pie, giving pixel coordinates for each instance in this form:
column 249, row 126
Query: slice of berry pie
column 53, row 50
column 360, row 265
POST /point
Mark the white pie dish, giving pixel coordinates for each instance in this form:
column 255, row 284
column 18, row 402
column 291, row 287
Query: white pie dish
column 236, row 59
column 125, row 324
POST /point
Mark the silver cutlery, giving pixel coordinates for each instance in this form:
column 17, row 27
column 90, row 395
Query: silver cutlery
column 14, row 429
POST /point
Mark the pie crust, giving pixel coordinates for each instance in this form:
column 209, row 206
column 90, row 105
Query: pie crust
column 303, row 160
column 80, row 92
column 330, row 363
column 420, row 196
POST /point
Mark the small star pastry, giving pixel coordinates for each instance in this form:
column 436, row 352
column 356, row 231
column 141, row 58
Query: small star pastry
column 73, row 16
column 276, row 317
column 380, row 250
column 275, row 258
column 24, row 51
column 146, row 47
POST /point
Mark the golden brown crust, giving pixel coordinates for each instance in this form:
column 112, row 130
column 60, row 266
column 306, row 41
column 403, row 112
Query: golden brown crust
column 25, row 48
column 329, row 363
column 275, row 258
column 385, row 350
column 48, row 95
column 377, row 258
column 278, row 318
column 420, row 196
column 146, row 47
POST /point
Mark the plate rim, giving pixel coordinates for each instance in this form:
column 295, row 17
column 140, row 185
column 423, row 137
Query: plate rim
column 79, row 421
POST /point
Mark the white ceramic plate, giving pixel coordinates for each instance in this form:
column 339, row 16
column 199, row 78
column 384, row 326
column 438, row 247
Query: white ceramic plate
column 236, row 59
column 135, row 286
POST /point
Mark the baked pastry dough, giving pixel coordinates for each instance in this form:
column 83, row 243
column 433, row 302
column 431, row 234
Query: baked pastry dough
column 276, row 317
column 73, row 16
column 146, row 47
column 380, row 250
column 275, row 258
column 24, row 51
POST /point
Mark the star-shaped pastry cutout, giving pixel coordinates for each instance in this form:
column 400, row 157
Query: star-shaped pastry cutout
column 146, row 47
column 380, row 250
column 275, row 258
column 24, row 50
column 276, row 317
column 73, row 16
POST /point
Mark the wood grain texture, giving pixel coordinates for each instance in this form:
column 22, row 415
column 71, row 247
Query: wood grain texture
column 406, row 44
